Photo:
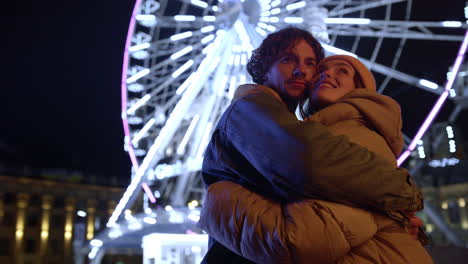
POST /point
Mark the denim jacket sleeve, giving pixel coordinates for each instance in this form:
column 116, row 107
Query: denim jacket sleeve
column 303, row 159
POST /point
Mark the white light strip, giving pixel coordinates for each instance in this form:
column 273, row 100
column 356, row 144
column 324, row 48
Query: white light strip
column 262, row 25
column 138, row 75
column 275, row 3
column 275, row 11
column 199, row 3
column 183, row 143
column 292, row 20
column 138, row 104
column 181, row 36
column 96, row 243
column 335, row 50
column 92, row 254
column 428, row 84
column 143, row 131
column 271, row 28
column 209, row 18
column 181, row 52
column 261, row 31
column 145, row 17
column 138, row 47
column 444, row 162
column 449, row 130
column 452, row 146
column 346, row 20
column 296, row 5
column 266, row 26
column 207, row 39
column 453, row 24
column 207, row 29
column 421, row 153
column 185, row 84
column 453, row 93
column 274, row 19
column 207, row 49
column 182, row 69
column 184, row 18
column 149, row 220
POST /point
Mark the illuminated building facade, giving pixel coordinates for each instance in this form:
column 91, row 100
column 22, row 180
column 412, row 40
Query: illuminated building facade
column 44, row 221
column 440, row 167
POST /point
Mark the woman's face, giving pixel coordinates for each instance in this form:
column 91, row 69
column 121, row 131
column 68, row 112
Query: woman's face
column 336, row 78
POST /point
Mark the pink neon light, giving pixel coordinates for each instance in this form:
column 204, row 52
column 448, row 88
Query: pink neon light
column 123, row 85
column 190, row 232
column 403, row 157
column 438, row 105
column 148, row 192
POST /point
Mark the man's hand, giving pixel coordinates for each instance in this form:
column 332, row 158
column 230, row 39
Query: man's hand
column 414, row 225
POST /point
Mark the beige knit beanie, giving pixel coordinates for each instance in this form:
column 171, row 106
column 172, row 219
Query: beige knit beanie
column 367, row 79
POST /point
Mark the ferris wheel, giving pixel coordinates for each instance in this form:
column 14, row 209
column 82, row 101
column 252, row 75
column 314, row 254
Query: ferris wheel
column 183, row 60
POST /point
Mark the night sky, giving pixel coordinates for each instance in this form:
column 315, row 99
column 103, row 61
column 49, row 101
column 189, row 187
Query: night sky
column 60, row 104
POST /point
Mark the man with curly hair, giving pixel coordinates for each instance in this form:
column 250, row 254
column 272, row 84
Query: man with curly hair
column 260, row 144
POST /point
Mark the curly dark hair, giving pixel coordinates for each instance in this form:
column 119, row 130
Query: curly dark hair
column 274, row 45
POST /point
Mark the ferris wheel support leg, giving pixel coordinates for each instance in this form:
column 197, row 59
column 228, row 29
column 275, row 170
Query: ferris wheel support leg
column 207, row 113
column 155, row 152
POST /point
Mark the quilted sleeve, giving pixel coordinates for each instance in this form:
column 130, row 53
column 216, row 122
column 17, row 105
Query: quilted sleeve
column 265, row 231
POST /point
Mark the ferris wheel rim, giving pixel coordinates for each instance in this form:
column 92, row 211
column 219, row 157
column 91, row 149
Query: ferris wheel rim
column 123, row 85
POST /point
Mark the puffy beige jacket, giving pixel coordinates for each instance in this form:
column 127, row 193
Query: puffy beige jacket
column 367, row 118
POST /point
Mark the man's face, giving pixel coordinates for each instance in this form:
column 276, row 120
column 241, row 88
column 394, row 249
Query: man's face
column 336, row 80
column 293, row 71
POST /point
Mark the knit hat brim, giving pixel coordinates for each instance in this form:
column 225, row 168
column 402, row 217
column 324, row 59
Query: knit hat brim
column 368, row 80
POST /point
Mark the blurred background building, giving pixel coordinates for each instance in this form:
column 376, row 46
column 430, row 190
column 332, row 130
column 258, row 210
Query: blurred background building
column 45, row 215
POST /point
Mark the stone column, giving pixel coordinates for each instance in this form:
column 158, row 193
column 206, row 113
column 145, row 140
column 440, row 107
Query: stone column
column 2, row 208
column 463, row 213
column 21, row 205
column 45, row 226
column 68, row 234
column 110, row 208
column 91, row 210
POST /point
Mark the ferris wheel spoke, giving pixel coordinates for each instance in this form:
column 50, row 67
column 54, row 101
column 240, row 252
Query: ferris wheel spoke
column 185, row 21
column 374, row 4
column 404, row 77
column 186, row 37
column 395, row 29
column 340, row 6
column 397, row 35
